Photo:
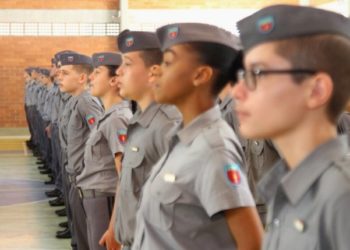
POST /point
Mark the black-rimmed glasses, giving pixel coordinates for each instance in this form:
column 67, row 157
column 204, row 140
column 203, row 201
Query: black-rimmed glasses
column 251, row 76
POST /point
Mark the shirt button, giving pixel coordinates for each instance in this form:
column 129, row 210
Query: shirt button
column 276, row 222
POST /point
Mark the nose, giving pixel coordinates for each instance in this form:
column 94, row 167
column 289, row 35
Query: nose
column 91, row 76
column 239, row 91
column 119, row 70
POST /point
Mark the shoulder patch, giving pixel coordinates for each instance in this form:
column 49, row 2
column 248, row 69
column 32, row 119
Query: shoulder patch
column 233, row 174
column 122, row 135
column 90, row 119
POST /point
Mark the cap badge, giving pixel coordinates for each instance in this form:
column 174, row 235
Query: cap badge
column 101, row 58
column 70, row 58
column 173, row 32
column 129, row 42
column 266, row 24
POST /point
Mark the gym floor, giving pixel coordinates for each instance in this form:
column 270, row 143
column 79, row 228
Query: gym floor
column 26, row 219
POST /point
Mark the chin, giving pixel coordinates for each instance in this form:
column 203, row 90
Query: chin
column 252, row 133
column 124, row 94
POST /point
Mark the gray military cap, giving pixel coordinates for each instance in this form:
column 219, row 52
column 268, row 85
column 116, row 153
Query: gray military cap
column 280, row 22
column 74, row 59
column 36, row 69
column 106, row 58
column 58, row 54
column 45, row 72
column 29, row 70
column 178, row 33
column 129, row 41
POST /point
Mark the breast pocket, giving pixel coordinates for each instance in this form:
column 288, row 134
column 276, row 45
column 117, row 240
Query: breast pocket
column 95, row 145
column 162, row 207
column 75, row 129
column 290, row 236
column 133, row 176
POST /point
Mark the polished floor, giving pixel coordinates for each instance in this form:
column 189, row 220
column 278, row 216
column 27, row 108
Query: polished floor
column 27, row 222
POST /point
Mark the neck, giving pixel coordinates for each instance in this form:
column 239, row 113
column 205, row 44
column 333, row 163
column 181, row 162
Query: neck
column 194, row 106
column 78, row 91
column 225, row 92
column 145, row 101
column 110, row 99
column 296, row 145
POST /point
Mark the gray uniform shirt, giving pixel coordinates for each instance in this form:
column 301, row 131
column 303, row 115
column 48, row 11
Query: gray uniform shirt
column 65, row 113
column 55, row 108
column 105, row 140
column 147, row 142
column 228, row 114
column 191, row 186
column 85, row 112
column 47, row 109
column 308, row 207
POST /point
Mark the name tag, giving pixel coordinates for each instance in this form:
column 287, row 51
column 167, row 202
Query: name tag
column 169, row 178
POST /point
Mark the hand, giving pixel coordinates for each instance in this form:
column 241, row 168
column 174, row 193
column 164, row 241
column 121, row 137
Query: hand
column 109, row 241
column 48, row 131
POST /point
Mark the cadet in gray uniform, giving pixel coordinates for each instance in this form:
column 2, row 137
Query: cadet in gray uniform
column 294, row 87
column 147, row 130
column 27, row 103
column 197, row 196
column 74, row 72
column 103, row 151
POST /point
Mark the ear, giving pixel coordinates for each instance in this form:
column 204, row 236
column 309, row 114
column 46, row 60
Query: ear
column 83, row 78
column 113, row 81
column 154, row 73
column 321, row 90
column 202, row 75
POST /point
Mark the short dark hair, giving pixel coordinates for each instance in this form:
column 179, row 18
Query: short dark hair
column 151, row 57
column 83, row 68
column 223, row 59
column 327, row 53
column 111, row 69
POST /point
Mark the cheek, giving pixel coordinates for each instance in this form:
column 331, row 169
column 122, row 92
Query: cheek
column 271, row 112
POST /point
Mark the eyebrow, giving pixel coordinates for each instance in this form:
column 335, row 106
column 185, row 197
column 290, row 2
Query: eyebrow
column 257, row 64
column 169, row 51
column 127, row 57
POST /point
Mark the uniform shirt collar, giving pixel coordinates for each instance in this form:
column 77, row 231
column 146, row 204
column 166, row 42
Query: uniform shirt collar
column 226, row 101
column 145, row 118
column 77, row 98
column 115, row 107
column 190, row 132
column 297, row 182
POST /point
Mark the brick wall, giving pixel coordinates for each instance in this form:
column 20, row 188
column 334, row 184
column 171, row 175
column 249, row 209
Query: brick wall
column 17, row 53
